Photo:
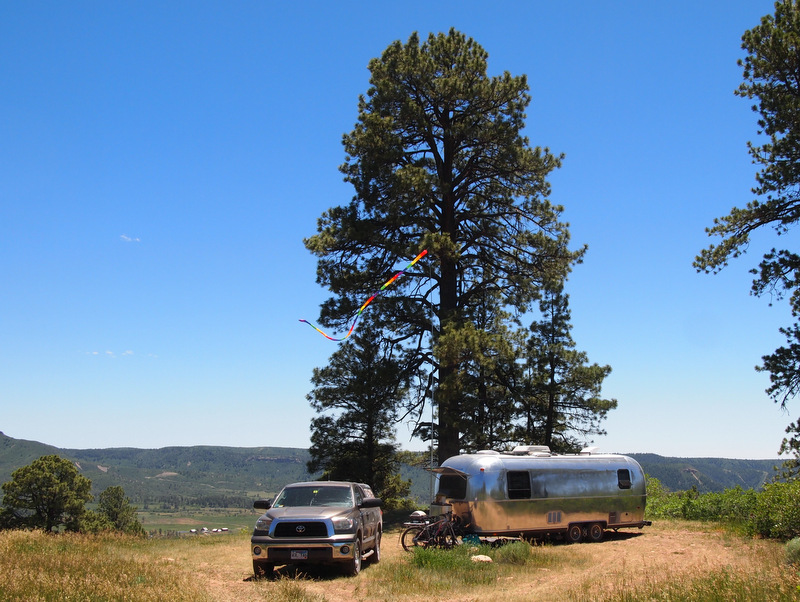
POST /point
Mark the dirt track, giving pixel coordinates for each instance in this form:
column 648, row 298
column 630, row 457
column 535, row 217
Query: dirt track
column 588, row 571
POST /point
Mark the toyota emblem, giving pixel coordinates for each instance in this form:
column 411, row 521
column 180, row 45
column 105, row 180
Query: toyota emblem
column 300, row 529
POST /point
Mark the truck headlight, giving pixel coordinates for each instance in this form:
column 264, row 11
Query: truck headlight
column 343, row 525
column 263, row 523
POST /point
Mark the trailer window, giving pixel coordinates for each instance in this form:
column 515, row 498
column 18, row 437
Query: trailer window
column 624, row 478
column 519, row 484
column 453, row 486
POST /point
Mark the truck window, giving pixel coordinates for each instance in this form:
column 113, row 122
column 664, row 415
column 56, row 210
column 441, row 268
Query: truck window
column 453, row 486
column 624, row 478
column 519, row 484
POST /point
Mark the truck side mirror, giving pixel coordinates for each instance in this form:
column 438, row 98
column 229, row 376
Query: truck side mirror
column 262, row 504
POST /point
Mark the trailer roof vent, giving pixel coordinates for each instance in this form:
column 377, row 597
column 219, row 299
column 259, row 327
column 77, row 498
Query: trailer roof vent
column 488, row 452
column 588, row 451
column 531, row 450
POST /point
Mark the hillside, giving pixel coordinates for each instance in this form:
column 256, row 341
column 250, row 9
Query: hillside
column 173, row 476
column 707, row 474
column 212, row 476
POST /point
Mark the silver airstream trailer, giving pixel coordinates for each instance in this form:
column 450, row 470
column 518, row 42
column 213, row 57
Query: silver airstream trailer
column 530, row 492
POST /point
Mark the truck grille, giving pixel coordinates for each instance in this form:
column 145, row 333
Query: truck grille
column 301, row 529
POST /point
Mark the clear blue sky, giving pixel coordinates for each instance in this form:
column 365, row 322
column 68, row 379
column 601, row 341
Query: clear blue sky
column 161, row 163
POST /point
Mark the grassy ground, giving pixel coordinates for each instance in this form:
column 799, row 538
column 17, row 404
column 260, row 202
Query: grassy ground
column 669, row 561
column 185, row 520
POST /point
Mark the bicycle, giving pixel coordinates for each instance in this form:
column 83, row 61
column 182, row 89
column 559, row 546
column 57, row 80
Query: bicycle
column 442, row 532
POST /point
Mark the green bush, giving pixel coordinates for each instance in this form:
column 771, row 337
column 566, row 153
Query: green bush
column 734, row 505
column 662, row 503
column 777, row 511
column 793, row 551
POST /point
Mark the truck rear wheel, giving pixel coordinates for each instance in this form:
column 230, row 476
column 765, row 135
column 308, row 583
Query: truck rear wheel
column 376, row 556
column 575, row 533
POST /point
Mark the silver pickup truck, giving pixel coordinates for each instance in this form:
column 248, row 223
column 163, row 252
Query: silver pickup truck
column 318, row 522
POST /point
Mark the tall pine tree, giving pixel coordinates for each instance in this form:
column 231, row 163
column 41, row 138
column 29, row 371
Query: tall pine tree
column 438, row 161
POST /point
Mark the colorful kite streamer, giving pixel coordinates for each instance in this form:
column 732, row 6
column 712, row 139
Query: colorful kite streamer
column 368, row 301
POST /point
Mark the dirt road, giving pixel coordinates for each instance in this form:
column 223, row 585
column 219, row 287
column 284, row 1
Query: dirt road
column 674, row 552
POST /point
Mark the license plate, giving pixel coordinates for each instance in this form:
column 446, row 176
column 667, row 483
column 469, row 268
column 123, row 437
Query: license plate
column 299, row 555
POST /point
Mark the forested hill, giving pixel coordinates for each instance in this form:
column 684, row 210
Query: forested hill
column 707, row 474
column 173, row 476
column 235, row 476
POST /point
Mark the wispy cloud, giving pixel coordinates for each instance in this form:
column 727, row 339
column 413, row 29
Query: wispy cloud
column 109, row 353
column 127, row 238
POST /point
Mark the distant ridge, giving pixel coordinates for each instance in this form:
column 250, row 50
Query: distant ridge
column 217, row 476
column 173, row 476
column 707, row 474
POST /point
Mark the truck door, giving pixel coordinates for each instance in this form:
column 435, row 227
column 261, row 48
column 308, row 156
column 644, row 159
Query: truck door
column 368, row 521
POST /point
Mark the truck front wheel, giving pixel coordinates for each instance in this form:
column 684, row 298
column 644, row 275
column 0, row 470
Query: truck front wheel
column 262, row 569
column 354, row 567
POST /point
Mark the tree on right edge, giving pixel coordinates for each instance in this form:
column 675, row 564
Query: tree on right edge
column 771, row 72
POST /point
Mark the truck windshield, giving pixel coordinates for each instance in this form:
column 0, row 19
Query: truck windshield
column 310, row 495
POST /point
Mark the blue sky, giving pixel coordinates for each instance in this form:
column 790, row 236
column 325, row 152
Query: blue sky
column 161, row 163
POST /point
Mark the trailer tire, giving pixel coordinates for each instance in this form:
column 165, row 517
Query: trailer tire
column 575, row 533
column 596, row 532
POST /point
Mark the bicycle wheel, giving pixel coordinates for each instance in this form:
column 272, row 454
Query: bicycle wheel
column 411, row 538
column 447, row 539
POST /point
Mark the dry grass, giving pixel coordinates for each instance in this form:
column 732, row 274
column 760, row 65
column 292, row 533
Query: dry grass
column 669, row 561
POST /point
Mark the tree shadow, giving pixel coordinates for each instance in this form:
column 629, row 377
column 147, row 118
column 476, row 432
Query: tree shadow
column 311, row 572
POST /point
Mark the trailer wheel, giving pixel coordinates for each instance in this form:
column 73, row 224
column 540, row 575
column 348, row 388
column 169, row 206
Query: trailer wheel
column 574, row 533
column 596, row 532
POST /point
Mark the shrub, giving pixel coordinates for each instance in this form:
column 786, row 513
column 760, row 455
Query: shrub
column 668, row 504
column 734, row 505
column 793, row 551
column 777, row 511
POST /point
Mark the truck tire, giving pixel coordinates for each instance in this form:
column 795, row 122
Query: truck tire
column 262, row 569
column 354, row 566
column 376, row 556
